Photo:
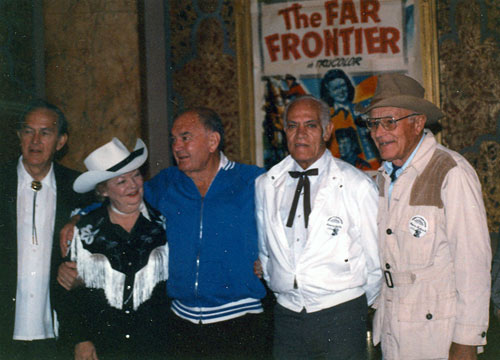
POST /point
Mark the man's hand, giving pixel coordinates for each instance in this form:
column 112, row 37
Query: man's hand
column 462, row 352
column 67, row 275
column 257, row 269
column 66, row 235
column 85, row 351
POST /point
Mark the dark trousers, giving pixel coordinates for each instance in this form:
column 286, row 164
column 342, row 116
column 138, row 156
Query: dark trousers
column 337, row 333
column 245, row 337
column 28, row 350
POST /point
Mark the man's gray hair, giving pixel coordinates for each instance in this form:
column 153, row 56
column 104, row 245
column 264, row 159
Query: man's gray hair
column 324, row 109
column 62, row 123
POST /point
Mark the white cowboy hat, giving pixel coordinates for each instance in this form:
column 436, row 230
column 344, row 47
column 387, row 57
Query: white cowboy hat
column 108, row 161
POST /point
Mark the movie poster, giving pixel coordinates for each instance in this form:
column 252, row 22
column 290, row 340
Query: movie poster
column 332, row 50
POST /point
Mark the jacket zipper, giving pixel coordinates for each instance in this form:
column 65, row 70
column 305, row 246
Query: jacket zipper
column 198, row 255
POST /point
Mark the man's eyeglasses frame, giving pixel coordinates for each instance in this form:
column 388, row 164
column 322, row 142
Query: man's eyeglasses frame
column 387, row 122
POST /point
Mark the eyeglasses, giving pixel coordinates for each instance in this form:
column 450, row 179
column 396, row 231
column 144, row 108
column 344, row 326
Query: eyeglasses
column 387, row 122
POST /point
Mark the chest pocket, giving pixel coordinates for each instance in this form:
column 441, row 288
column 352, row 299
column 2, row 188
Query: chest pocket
column 338, row 240
column 417, row 236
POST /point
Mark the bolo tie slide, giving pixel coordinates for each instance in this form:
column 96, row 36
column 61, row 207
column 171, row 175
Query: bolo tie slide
column 36, row 186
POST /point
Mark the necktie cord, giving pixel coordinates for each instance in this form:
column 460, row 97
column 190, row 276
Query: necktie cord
column 303, row 183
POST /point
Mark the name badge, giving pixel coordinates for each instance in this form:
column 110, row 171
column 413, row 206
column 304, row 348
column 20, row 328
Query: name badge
column 334, row 225
column 418, row 226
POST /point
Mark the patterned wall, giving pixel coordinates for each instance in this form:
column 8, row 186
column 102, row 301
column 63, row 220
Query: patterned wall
column 203, row 44
column 202, row 37
column 469, row 61
column 92, row 71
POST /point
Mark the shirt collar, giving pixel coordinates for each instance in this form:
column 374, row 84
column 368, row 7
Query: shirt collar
column 388, row 166
column 223, row 160
column 24, row 178
column 142, row 208
column 319, row 164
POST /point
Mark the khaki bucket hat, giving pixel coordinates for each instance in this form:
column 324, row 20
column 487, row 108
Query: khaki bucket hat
column 401, row 91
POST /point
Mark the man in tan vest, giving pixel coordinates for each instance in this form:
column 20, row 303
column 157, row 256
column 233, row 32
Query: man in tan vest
column 434, row 241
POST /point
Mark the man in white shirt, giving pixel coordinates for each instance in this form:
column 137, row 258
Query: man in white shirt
column 316, row 218
column 36, row 199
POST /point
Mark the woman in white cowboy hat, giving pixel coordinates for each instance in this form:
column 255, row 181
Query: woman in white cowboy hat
column 122, row 258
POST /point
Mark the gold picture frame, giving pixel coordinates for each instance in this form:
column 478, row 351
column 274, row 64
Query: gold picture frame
column 246, row 100
column 245, row 69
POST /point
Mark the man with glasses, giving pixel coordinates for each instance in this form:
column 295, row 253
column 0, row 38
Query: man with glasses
column 36, row 199
column 433, row 236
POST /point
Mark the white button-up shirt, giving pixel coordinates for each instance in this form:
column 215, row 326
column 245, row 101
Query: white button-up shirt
column 33, row 319
column 297, row 234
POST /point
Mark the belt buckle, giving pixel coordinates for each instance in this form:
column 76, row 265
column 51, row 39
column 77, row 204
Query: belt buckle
column 388, row 279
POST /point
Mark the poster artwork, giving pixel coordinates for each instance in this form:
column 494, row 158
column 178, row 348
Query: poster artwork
column 332, row 50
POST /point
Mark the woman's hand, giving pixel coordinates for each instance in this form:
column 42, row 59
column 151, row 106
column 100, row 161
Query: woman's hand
column 67, row 275
column 66, row 235
column 85, row 351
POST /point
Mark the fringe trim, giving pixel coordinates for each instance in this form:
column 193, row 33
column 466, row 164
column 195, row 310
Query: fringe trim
column 96, row 272
column 155, row 271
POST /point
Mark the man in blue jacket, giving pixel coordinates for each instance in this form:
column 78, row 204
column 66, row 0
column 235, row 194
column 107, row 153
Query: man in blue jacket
column 209, row 205
column 208, row 202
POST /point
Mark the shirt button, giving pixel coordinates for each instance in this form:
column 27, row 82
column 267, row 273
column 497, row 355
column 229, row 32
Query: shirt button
column 128, row 287
column 428, row 316
column 388, row 231
column 127, row 336
column 387, row 266
column 127, row 311
column 129, row 264
column 483, row 334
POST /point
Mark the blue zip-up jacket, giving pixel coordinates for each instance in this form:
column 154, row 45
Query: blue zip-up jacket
column 212, row 239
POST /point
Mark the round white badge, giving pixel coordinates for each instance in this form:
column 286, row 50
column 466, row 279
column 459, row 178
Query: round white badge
column 334, row 225
column 418, row 226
